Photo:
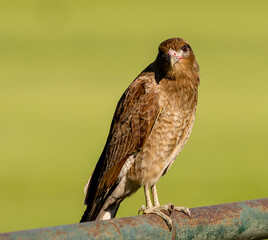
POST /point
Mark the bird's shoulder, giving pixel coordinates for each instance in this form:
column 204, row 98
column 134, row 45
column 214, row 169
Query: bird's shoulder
column 135, row 114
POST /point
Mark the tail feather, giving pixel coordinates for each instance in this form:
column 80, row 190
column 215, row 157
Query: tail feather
column 104, row 214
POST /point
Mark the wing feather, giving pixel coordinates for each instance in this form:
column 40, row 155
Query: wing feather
column 132, row 123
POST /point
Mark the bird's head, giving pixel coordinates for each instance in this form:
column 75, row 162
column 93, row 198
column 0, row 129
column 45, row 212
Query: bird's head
column 176, row 56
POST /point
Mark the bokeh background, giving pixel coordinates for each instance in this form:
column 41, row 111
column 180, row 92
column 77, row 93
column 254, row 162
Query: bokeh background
column 64, row 65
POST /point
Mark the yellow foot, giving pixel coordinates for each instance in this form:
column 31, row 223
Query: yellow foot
column 167, row 207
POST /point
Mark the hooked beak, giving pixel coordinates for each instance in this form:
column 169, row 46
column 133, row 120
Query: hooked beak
column 173, row 60
column 174, row 57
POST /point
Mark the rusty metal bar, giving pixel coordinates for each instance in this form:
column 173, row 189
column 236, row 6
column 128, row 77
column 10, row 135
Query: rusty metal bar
column 239, row 220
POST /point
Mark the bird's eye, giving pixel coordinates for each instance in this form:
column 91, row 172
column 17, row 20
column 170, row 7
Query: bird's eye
column 184, row 48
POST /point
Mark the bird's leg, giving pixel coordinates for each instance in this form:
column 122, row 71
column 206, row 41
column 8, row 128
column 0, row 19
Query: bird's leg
column 155, row 196
column 147, row 197
column 156, row 208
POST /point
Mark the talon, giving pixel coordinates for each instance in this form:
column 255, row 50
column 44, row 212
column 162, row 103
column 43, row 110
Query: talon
column 169, row 223
column 171, row 208
column 188, row 213
column 185, row 210
column 142, row 209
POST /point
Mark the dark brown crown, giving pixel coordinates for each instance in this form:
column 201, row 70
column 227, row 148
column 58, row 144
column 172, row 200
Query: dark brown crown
column 172, row 43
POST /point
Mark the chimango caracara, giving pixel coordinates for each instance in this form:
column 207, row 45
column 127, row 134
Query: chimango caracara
column 151, row 125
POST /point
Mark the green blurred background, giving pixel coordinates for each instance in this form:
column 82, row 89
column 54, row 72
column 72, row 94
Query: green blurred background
column 64, row 65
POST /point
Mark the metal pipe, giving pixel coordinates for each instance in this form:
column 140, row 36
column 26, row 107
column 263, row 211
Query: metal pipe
column 239, row 220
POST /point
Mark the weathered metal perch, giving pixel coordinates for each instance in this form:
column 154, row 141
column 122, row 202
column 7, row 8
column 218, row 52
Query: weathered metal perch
column 239, row 220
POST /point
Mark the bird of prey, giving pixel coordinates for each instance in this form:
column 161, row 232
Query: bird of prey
column 150, row 126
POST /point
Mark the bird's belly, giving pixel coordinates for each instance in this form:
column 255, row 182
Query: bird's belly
column 166, row 140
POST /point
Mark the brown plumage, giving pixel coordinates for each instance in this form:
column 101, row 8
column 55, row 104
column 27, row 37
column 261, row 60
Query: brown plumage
column 151, row 125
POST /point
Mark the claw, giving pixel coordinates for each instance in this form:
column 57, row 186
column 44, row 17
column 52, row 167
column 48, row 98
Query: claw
column 142, row 209
column 171, row 208
column 185, row 210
